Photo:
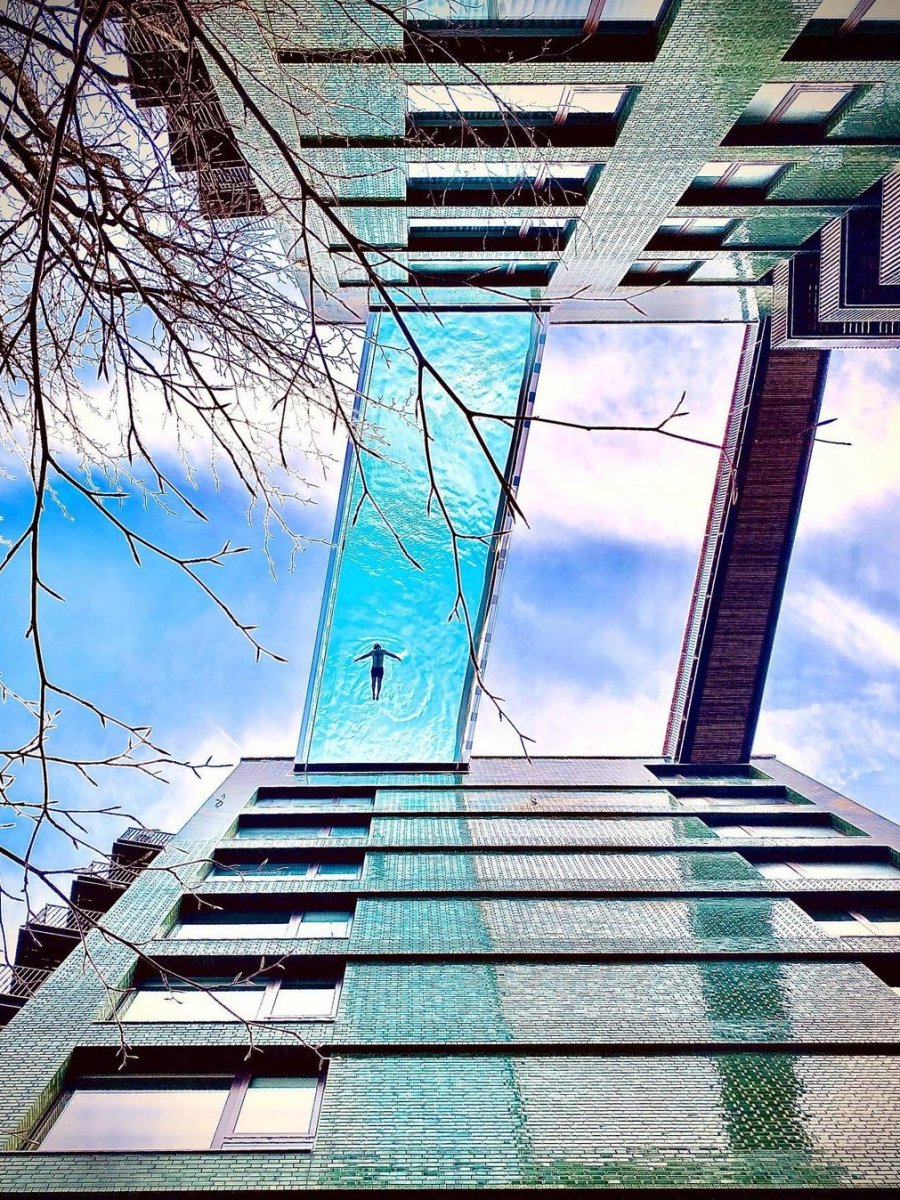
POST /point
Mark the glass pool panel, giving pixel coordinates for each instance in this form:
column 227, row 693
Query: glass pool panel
column 374, row 592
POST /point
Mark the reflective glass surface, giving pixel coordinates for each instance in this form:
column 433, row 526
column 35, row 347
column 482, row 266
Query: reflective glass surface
column 190, row 1004
column 324, row 925
column 784, row 832
column 139, row 1115
column 545, row 11
column 295, row 1001
column 277, row 1106
column 314, row 802
column 405, row 598
column 745, row 175
column 297, row 870
column 244, row 927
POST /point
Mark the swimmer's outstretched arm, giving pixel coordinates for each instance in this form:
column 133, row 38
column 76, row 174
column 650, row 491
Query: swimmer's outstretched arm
column 397, row 656
column 368, row 654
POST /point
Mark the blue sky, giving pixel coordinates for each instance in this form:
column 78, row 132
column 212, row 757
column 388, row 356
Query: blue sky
column 594, row 599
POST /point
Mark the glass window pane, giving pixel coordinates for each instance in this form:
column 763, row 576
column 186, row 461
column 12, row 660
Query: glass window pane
column 282, row 831
column 836, row 927
column 189, row 1004
column 237, row 870
column 338, row 870
column 776, row 870
column 323, row 929
column 835, row 10
column 349, row 831
column 545, row 11
column 812, row 106
column 468, row 225
column 696, row 227
column 494, row 98
column 783, row 832
column 320, row 802
column 277, row 1106
column 849, row 870
column 631, row 10
column 588, row 99
column 497, row 170
column 161, row 1116
column 882, row 10
column 541, row 10
column 294, row 1000
column 769, row 96
column 752, row 175
column 243, row 928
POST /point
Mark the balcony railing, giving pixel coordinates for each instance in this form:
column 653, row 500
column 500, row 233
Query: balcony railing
column 60, row 916
column 116, row 873
column 21, row 981
column 137, row 835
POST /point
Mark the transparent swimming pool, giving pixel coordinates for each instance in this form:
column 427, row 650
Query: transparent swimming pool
column 373, row 593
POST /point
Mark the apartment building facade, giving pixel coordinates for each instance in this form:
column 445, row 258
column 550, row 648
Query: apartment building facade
column 604, row 160
column 609, row 973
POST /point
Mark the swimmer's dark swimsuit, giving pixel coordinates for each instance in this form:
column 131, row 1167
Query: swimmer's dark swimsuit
column 377, row 672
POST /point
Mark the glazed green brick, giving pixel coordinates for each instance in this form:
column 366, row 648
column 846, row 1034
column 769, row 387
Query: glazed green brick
column 515, row 1071
column 542, row 1003
column 726, row 1120
column 513, row 925
column 500, row 831
column 550, row 871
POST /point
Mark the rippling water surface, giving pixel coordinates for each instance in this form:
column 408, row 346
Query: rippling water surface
column 374, row 593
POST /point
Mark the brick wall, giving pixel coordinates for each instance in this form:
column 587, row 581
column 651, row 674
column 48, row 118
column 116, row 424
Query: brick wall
column 539, row 1032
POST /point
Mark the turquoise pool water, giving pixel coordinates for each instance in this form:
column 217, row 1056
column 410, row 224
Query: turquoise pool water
column 373, row 593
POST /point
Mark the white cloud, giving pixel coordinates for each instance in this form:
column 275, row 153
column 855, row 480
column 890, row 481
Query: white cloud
column 847, row 483
column 846, row 625
column 636, row 487
column 837, row 742
column 566, row 718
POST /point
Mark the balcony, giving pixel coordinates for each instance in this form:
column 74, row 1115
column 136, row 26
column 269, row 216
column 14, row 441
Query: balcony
column 18, row 984
column 48, row 936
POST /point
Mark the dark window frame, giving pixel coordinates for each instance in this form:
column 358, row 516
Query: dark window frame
column 293, row 919
column 772, row 131
column 250, row 865
column 268, row 996
column 828, row 39
column 224, row 1137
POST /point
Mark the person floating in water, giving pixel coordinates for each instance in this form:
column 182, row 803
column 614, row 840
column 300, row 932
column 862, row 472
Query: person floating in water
column 377, row 654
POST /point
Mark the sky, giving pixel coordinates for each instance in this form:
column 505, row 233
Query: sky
column 594, row 598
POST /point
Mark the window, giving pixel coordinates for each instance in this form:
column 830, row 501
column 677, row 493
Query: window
column 286, row 869
column 785, row 832
column 578, row 15
column 655, row 274
column 827, row 870
column 857, row 14
column 728, row 802
column 307, row 923
column 496, row 174
column 738, row 177
column 217, row 1112
column 796, row 103
column 683, row 773
column 489, row 233
column 873, row 922
column 696, row 229
column 554, row 103
column 222, row 1000
column 485, row 275
column 304, row 829
column 284, row 798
